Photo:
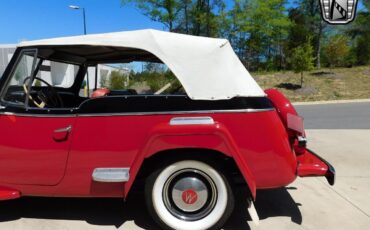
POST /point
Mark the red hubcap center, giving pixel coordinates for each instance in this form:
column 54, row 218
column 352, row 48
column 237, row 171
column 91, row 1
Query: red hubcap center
column 189, row 196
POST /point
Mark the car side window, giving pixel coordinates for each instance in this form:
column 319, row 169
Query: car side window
column 138, row 78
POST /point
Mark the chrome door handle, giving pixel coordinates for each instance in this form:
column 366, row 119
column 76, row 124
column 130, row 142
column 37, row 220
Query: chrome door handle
column 62, row 134
column 64, row 130
column 2, row 107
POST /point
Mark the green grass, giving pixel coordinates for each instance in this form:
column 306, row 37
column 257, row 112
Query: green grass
column 320, row 85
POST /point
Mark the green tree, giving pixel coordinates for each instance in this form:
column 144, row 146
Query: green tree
column 337, row 50
column 362, row 50
column 298, row 32
column 154, row 67
column 233, row 21
column 359, row 30
column 367, row 3
column 185, row 16
column 311, row 11
column 157, row 80
column 204, row 17
column 302, row 59
column 267, row 25
column 117, row 80
column 197, row 17
column 262, row 32
column 164, row 11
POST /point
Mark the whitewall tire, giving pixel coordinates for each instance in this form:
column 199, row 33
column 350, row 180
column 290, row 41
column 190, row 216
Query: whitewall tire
column 189, row 195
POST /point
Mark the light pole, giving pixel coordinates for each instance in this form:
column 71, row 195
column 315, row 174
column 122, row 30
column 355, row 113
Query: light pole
column 83, row 13
column 87, row 87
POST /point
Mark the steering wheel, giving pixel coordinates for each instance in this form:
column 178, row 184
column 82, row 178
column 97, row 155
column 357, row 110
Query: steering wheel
column 48, row 97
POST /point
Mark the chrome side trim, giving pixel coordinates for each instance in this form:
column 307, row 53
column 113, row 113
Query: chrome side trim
column 111, row 174
column 192, row 121
column 36, row 115
column 176, row 112
column 141, row 113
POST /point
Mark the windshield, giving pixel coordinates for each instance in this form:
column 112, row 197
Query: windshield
column 24, row 68
column 41, row 72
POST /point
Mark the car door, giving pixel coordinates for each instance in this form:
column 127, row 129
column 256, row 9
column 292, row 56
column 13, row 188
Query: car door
column 34, row 142
column 33, row 148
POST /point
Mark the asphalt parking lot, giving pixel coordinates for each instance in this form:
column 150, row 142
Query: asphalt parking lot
column 336, row 116
column 308, row 203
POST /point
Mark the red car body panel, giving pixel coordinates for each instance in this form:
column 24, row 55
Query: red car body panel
column 256, row 140
column 9, row 193
column 31, row 152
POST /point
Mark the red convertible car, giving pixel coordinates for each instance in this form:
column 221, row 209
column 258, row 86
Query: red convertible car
column 189, row 145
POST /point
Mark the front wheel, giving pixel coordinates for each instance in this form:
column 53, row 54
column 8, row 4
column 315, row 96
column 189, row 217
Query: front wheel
column 189, row 195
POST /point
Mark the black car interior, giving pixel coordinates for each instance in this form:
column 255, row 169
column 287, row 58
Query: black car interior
column 82, row 56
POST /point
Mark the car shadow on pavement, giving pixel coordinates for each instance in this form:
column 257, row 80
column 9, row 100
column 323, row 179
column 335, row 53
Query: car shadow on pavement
column 278, row 202
column 270, row 203
column 114, row 212
column 95, row 211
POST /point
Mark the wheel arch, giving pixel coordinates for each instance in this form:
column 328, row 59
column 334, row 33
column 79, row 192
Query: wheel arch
column 210, row 156
column 215, row 158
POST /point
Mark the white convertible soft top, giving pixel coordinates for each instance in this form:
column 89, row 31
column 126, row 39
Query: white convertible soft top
column 207, row 68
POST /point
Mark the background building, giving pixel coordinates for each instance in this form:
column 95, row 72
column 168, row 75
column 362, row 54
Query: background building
column 6, row 53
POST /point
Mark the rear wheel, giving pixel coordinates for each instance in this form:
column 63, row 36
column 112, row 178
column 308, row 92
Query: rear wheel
column 189, row 195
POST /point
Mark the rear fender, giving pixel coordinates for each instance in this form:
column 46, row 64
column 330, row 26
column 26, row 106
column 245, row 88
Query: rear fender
column 171, row 137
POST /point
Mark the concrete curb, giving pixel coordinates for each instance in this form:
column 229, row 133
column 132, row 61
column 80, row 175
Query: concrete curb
column 331, row 102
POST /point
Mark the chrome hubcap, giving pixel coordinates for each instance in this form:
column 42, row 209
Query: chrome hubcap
column 189, row 194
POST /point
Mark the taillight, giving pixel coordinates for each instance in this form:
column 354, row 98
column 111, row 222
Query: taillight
column 290, row 118
column 295, row 123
